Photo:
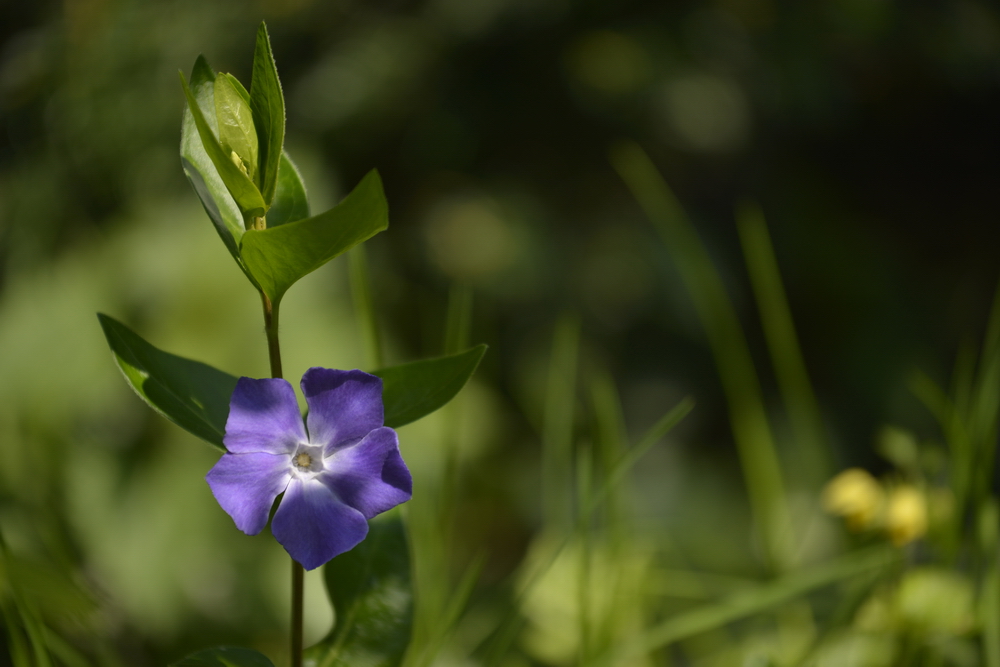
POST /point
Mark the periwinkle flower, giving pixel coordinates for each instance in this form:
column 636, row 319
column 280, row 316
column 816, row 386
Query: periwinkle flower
column 343, row 472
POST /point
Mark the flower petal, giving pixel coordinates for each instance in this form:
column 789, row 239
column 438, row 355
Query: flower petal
column 263, row 417
column 370, row 475
column 247, row 484
column 343, row 405
column 314, row 526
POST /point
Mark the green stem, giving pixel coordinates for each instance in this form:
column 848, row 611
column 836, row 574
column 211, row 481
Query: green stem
column 271, row 330
column 297, row 595
column 364, row 306
column 274, row 356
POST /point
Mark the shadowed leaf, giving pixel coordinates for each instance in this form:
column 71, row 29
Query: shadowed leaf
column 193, row 395
column 225, row 656
column 416, row 389
column 372, row 598
column 278, row 256
column 290, row 203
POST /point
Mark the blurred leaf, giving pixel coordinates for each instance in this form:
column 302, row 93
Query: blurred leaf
column 244, row 192
column 235, row 121
column 364, row 306
column 989, row 612
column 746, row 603
column 290, row 202
column 936, row 601
column 372, row 598
column 416, row 389
column 268, row 112
column 47, row 590
column 747, row 413
column 278, row 256
column 191, row 394
column 812, row 454
column 200, row 170
column 225, row 656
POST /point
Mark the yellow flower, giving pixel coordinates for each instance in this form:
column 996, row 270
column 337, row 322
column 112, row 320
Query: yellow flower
column 855, row 495
column 906, row 514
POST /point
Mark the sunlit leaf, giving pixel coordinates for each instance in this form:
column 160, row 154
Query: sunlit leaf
column 235, row 122
column 278, row 256
column 244, row 192
column 191, row 394
column 416, row 389
column 372, row 599
column 198, row 167
column 268, row 105
column 238, row 86
column 224, row 656
column 290, row 203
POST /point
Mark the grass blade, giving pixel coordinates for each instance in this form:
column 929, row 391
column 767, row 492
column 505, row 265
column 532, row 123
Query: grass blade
column 364, row 306
column 751, row 430
column 813, row 459
column 750, row 602
column 557, row 429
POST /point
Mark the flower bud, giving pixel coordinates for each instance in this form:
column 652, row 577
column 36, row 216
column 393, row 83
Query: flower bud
column 855, row 495
column 906, row 515
column 237, row 133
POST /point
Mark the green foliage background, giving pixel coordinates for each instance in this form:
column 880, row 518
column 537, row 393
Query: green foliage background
column 866, row 132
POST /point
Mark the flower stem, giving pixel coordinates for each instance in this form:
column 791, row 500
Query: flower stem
column 297, row 595
column 274, row 356
column 271, row 330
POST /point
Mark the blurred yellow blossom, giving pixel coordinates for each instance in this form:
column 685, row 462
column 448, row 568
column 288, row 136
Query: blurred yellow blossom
column 906, row 514
column 855, row 495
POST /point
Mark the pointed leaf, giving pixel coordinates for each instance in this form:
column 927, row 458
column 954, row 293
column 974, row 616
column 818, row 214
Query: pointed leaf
column 235, row 121
column 268, row 105
column 198, row 167
column 240, row 186
column 373, row 601
column 238, row 86
column 416, row 389
column 290, row 203
column 279, row 256
column 225, row 656
column 191, row 394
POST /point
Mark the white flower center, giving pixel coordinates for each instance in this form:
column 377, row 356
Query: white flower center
column 307, row 460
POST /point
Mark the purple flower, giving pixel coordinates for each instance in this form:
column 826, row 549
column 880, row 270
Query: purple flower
column 343, row 472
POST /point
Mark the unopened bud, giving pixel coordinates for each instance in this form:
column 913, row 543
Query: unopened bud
column 238, row 161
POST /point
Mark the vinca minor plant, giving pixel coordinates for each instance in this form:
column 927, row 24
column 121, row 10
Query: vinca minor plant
column 340, row 466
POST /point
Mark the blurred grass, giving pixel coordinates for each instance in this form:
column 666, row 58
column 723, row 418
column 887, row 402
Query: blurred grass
column 761, row 469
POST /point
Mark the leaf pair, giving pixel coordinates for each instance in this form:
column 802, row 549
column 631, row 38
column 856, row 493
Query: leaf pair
column 246, row 145
column 195, row 396
column 231, row 151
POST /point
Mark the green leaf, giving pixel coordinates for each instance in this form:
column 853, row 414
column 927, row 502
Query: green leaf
column 278, row 256
column 191, row 394
column 416, row 389
column 235, row 121
column 244, row 192
column 372, row 599
column 238, row 86
column 290, row 203
column 268, row 105
column 198, row 167
column 224, row 656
